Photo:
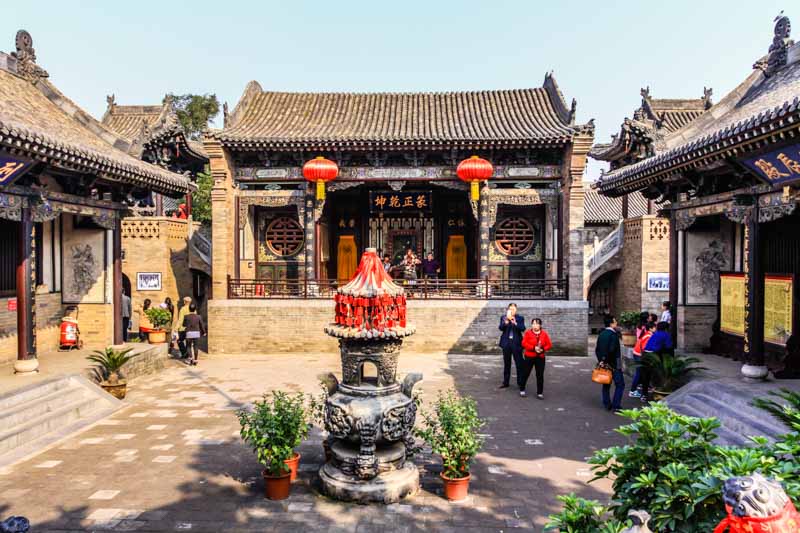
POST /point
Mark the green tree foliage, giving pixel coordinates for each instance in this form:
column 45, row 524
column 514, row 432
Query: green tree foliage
column 582, row 516
column 201, row 198
column 195, row 111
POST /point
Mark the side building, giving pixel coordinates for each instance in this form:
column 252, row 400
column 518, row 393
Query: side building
column 166, row 254
column 731, row 179
column 397, row 190
column 65, row 182
column 628, row 242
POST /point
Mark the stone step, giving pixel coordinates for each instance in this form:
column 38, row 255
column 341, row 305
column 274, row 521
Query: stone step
column 36, row 407
column 730, row 403
column 42, row 414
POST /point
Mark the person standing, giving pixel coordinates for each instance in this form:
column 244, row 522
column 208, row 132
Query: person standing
column 387, row 264
column 608, row 351
column 638, row 351
column 512, row 326
column 145, row 325
column 194, row 328
column 658, row 344
column 126, row 315
column 536, row 343
column 666, row 312
column 430, row 267
column 182, row 312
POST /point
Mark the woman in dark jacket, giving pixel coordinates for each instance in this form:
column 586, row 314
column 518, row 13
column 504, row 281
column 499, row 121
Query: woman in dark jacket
column 195, row 328
column 609, row 352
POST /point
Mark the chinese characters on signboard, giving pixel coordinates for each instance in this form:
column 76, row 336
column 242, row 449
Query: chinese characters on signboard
column 778, row 291
column 778, row 166
column 11, row 169
column 399, row 202
column 731, row 303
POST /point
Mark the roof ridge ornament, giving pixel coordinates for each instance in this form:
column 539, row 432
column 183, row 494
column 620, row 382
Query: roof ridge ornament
column 778, row 53
column 707, row 101
column 111, row 103
column 26, row 58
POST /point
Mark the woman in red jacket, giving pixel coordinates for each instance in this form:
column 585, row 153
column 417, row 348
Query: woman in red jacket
column 536, row 343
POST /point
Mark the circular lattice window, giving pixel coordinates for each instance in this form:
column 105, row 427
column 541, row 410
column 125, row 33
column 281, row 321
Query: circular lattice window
column 514, row 236
column 284, row 236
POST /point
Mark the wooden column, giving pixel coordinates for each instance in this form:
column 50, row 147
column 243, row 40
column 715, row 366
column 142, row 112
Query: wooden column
column 189, row 205
column 237, row 259
column 674, row 276
column 26, row 297
column 116, row 297
column 754, row 301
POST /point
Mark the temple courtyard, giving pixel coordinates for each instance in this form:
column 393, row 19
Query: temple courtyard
column 172, row 459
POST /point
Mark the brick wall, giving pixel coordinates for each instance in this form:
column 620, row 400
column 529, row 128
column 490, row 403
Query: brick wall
column 273, row 326
column 157, row 244
column 48, row 321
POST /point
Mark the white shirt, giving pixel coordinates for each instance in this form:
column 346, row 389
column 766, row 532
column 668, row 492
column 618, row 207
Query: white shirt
column 666, row 316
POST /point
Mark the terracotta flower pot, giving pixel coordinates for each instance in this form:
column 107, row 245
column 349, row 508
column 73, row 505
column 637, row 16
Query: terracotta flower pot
column 292, row 464
column 157, row 337
column 117, row 390
column 455, row 488
column 628, row 339
column 277, row 487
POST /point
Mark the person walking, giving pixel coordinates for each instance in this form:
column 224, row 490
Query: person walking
column 638, row 351
column 182, row 312
column 145, row 325
column 126, row 315
column 536, row 343
column 608, row 352
column 194, row 328
column 512, row 326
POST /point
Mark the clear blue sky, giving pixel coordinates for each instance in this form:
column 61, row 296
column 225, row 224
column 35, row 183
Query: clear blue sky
column 602, row 52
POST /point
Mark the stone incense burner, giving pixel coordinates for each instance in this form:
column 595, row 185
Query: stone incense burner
column 369, row 415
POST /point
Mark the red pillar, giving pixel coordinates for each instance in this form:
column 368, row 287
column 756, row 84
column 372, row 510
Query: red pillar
column 117, row 277
column 189, row 205
column 26, row 294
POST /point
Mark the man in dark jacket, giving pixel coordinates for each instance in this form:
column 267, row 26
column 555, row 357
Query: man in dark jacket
column 195, row 328
column 513, row 327
column 608, row 351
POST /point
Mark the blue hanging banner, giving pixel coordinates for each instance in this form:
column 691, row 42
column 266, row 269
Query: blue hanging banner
column 776, row 167
column 11, row 169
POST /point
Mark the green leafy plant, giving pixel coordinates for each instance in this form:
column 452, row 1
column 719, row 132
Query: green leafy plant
column 109, row 362
column 669, row 370
column 194, row 112
column 451, row 430
column 274, row 428
column 629, row 319
column 787, row 411
column 201, row 197
column 579, row 515
column 160, row 318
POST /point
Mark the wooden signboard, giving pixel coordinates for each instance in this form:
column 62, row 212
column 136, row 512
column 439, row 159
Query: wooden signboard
column 778, row 308
column 731, row 303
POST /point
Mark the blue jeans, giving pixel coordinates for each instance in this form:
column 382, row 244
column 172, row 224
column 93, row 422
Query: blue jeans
column 619, row 388
column 637, row 375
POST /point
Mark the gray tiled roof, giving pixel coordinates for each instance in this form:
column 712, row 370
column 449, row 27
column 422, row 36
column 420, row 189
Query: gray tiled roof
column 599, row 209
column 506, row 118
column 758, row 106
column 37, row 120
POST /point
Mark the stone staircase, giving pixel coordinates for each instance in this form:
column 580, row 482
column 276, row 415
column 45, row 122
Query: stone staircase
column 729, row 402
column 41, row 414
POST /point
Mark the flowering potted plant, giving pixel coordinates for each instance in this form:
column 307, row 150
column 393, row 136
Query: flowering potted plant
column 452, row 432
column 160, row 318
column 109, row 362
column 274, row 428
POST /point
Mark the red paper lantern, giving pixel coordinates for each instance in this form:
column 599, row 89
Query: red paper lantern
column 320, row 170
column 474, row 170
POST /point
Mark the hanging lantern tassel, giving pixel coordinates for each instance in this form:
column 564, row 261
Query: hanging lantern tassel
column 474, row 190
column 320, row 190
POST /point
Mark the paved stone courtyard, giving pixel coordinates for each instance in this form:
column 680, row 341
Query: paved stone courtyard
column 173, row 460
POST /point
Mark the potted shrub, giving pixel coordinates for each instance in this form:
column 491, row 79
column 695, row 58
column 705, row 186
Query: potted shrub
column 452, row 432
column 628, row 320
column 274, row 427
column 160, row 318
column 669, row 371
column 109, row 362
